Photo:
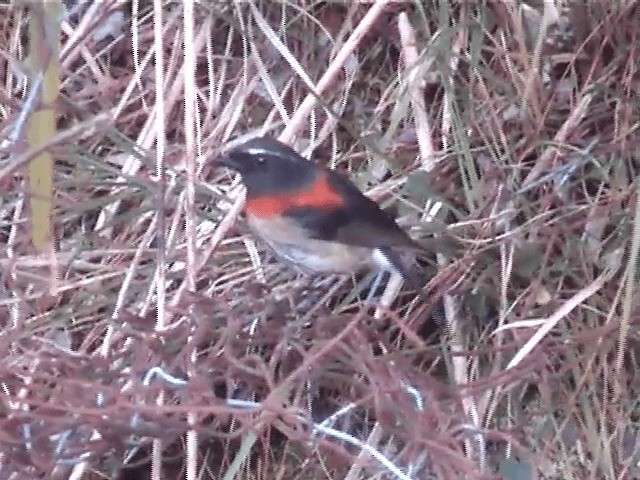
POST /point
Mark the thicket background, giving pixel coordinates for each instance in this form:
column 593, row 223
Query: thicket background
column 151, row 337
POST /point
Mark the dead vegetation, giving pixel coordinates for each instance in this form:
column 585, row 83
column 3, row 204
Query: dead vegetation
column 155, row 339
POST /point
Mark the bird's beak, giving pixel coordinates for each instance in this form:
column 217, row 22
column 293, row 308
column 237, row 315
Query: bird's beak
column 229, row 160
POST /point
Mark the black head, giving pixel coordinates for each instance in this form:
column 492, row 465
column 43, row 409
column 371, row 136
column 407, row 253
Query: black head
column 268, row 166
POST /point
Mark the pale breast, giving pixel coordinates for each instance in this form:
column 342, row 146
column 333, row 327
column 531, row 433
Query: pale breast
column 290, row 243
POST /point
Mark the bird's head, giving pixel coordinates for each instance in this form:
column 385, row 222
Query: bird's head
column 267, row 165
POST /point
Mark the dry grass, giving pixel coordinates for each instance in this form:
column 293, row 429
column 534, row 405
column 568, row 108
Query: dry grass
column 158, row 339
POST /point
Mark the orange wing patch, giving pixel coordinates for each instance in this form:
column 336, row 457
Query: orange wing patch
column 320, row 195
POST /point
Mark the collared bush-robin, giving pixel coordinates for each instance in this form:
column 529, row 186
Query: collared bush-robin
column 311, row 216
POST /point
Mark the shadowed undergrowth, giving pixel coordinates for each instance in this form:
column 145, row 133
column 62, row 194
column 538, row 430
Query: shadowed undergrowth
column 503, row 140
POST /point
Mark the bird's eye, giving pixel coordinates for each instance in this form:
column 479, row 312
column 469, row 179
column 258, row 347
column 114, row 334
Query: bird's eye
column 261, row 159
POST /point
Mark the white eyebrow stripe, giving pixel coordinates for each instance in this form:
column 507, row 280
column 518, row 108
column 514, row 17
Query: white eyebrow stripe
column 258, row 151
column 267, row 151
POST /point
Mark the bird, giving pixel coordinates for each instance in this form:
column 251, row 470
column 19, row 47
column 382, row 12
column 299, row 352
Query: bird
column 312, row 217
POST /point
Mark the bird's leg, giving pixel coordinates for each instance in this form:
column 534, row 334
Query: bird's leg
column 374, row 287
column 327, row 281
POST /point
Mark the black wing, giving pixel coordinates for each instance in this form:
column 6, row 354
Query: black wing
column 361, row 222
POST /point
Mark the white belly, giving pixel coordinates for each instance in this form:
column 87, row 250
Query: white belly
column 314, row 256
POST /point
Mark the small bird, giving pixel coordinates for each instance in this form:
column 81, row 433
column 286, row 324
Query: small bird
column 313, row 217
